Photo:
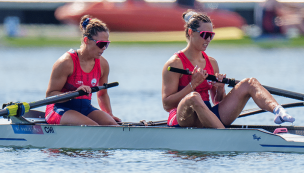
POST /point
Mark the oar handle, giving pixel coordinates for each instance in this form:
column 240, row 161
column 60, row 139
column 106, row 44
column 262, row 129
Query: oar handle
column 97, row 88
column 230, row 81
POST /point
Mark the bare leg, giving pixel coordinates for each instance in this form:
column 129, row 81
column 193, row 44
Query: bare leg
column 236, row 99
column 72, row 117
column 102, row 118
column 193, row 112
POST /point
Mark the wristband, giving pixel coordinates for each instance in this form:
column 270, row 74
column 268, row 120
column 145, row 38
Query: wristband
column 191, row 86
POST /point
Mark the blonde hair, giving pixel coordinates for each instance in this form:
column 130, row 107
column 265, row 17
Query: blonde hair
column 90, row 26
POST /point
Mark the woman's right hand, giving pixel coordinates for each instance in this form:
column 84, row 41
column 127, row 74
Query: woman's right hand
column 84, row 88
column 198, row 76
column 116, row 118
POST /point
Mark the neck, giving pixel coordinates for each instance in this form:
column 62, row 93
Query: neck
column 84, row 55
column 192, row 53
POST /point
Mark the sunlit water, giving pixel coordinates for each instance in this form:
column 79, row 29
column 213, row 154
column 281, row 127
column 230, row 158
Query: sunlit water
column 24, row 76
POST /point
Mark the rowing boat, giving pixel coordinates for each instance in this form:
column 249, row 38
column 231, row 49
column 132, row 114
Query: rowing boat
column 22, row 127
column 151, row 135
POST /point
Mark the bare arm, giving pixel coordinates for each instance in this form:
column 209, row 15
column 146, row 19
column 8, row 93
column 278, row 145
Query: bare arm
column 170, row 95
column 102, row 95
column 217, row 92
column 62, row 68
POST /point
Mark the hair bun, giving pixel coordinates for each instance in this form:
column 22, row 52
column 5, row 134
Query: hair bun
column 188, row 16
column 85, row 23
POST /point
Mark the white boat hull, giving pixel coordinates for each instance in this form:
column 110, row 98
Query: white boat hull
column 150, row 137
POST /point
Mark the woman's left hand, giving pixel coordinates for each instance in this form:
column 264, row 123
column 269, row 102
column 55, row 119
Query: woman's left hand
column 84, row 88
column 220, row 78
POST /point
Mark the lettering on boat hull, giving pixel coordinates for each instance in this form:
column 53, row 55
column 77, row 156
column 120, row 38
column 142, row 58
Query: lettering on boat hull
column 48, row 129
column 32, row 129
column 27, row 129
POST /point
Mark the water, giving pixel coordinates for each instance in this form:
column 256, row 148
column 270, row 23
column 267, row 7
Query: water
column 25, row 74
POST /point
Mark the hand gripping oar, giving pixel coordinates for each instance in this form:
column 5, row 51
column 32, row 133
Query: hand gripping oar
column 20, row 108
column 232, row 82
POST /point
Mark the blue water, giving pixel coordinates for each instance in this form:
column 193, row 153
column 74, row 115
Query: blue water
column 24, row 76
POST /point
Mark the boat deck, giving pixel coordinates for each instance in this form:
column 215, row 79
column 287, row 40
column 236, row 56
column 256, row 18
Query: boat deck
column 31, row 130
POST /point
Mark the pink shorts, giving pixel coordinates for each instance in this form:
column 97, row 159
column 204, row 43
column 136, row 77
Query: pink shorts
column 54, row 112
column 172, row 121
column 51, row 116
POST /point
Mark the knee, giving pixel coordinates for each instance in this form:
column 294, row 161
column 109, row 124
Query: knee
column 112, row 123
column 250, row 82
column 194, row 99
column 108, row 122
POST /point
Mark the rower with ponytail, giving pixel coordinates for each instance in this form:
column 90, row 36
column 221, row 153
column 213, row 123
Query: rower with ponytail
column 82, row 69
column 187, row 97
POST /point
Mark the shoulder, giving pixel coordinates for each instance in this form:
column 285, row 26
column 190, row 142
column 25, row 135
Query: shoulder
column 214, row 64
column 174, row 61
column 212, row 60
column 65, row 60
column 104, row 67
column 64, row 64
column 103, row 62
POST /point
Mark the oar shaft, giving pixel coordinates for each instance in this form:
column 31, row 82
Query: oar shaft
column 61, row 97
column 3, row 112
column 246, row 113
column 68, row 95
column 285, row 93
column 232, row 82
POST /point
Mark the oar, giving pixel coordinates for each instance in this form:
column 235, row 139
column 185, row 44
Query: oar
column 21, row 108
column 243, row 114
column 232, row 82
column 248, row 112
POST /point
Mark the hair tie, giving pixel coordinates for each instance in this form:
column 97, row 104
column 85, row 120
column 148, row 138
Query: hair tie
column 85, row 23
column 188, row 16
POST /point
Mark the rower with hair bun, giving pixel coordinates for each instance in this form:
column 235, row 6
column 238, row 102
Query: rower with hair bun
column 186, row 97
column 82, row 69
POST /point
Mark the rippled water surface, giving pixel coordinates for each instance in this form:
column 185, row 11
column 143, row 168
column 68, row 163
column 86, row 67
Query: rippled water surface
column 24, row 75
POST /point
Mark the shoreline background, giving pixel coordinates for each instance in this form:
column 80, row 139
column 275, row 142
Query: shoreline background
column 69, row 35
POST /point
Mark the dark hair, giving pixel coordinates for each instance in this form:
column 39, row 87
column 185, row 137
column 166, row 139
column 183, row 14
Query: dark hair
column 90, row 26
column 192, row 19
